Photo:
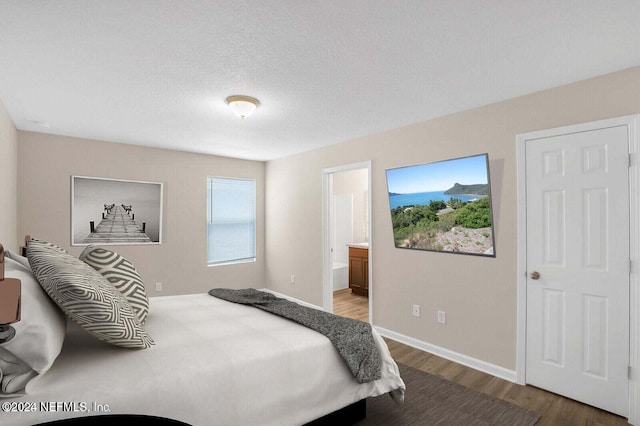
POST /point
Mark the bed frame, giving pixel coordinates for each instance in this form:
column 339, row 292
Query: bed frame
column 349, row 415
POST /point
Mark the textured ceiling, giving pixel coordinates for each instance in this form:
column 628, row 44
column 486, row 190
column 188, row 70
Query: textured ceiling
column 156, row 72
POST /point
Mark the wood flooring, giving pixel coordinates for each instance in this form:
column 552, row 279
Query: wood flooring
column 556, row 410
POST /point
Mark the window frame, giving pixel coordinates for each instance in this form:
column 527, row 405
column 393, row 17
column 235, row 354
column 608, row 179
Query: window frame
column 210, row 221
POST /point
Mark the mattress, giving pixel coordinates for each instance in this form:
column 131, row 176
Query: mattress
column 214, row 362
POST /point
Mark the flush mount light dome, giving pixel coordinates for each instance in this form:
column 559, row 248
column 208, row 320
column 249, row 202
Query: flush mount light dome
column 242, row 106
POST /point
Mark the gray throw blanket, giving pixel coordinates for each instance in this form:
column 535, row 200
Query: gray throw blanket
column 352, row 338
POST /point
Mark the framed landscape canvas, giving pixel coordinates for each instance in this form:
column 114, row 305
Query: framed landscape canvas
column 111, row 211
column 443, row 206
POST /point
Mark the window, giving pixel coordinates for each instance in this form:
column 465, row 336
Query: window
column 231, row 220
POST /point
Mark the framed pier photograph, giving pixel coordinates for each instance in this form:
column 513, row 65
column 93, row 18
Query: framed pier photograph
column 115, row 212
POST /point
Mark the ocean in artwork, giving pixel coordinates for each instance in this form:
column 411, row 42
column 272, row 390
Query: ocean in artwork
column 424, row 198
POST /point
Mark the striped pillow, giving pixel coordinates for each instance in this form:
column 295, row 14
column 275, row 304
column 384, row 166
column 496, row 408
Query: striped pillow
column 122, row 274
column 86, row 296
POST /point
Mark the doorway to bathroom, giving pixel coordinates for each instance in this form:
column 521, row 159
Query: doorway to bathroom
column 347, row 264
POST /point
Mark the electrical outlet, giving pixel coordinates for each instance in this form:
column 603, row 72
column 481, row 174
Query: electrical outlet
column 442, row 317
column 416, row 310
column 158, row 286
column 293, row 279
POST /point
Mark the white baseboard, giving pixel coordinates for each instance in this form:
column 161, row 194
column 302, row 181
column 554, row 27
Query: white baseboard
column 485, row 367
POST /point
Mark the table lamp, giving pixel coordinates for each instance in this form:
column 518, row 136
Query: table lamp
column 9, row 302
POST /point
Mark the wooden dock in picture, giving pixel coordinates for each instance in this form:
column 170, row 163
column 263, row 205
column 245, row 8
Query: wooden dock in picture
column 117, row 227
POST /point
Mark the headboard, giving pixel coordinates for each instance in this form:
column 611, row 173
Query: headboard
column 23, row 249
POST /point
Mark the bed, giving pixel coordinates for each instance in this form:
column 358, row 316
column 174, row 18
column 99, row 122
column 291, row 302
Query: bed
column 207, row 361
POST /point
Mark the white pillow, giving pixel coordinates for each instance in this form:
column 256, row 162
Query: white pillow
column 40, row 331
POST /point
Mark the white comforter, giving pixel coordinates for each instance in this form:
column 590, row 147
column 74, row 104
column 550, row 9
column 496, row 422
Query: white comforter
column 214, row 363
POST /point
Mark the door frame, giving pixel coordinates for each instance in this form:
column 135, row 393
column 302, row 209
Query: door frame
column 632, row 123
column 327, row 263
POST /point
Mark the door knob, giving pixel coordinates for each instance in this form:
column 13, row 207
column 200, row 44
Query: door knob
column 535, row 275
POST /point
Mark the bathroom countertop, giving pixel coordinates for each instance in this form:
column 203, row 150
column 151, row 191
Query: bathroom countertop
column 359, row 245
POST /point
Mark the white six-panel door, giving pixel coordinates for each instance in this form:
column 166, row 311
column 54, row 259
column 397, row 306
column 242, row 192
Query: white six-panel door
column 577, row 256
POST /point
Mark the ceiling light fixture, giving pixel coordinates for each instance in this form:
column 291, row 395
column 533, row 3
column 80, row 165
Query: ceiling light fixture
column 242, row 106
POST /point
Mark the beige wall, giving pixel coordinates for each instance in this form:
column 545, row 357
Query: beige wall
column 46, row 164
column 355, row 183
column 478, row 294
column 8, row 181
